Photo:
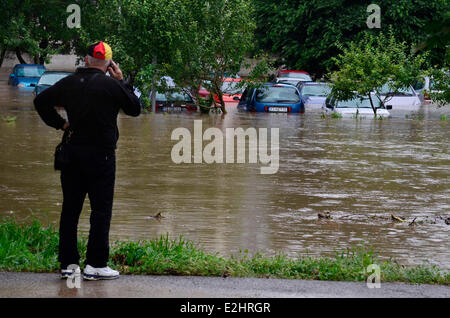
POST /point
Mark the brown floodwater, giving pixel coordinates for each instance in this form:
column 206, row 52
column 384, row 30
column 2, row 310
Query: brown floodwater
column 360, row 171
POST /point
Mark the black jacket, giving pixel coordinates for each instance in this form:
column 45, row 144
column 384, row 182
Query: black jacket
column 93, row 117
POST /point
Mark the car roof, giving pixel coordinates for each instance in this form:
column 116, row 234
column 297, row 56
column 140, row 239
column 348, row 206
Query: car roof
column 315, row 83
column 278, row 85
column 29, row 65
column 293, row 71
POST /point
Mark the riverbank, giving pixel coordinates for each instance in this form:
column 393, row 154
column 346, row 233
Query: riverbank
column 33, row 248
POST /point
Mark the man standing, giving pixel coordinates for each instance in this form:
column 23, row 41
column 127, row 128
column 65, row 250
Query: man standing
column 92, row 101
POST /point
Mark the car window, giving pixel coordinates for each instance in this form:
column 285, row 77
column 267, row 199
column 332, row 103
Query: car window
column 30, row 71
column 316, row 90
column 277, row 94
column 407, row 91
column 245, row 96
column 173, row 97
column 51, row 79
column 230, row 87
column 358, row 103
column 419, row 84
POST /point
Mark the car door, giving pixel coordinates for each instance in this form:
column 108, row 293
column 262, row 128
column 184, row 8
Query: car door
column 245, row 99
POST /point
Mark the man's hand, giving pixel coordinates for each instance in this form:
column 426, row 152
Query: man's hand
column 115, row 71
column 66, row 125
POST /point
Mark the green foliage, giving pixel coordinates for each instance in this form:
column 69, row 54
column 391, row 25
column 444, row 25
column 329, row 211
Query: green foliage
column 304, row 34
column 31, row 247
column 364, row 67
column 440, row 92
column 218, row 36
column 37, row 27
column 193, row 41
column 9, row 119
column 336, row 115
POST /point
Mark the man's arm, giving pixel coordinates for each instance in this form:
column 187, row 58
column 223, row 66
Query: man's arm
column 126, row 98
column 45, row 104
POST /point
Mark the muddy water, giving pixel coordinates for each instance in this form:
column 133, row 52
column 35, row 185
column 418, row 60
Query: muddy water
column 360, row 171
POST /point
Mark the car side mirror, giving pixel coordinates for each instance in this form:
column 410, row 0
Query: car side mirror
column 388, row 106
column 329, row 106
column 236, row 98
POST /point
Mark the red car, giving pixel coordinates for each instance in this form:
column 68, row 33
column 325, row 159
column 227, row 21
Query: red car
column 231, row 93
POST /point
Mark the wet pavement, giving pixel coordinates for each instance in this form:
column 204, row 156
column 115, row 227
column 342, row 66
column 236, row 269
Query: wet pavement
column 50, row 285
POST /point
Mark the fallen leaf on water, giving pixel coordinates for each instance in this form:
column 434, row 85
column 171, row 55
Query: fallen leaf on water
column 396, row 218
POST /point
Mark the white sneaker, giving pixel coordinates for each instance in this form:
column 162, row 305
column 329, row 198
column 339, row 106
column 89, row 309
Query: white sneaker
column 92, row 273
column 66, row 272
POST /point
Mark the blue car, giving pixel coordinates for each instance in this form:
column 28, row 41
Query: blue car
column 272, row 98
column 48, row 79
column 314, row 94
column 26, row 75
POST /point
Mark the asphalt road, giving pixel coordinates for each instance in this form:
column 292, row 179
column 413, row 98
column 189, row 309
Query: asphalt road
column 50, row 285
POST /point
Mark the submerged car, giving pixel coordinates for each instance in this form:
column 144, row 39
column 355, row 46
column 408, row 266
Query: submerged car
column 272, row 98
column 231, row 91
column 290, row 81
column 314, row 94
column 172, row 101
column 26, row 75
column 403, row 99
column 48, row 79
column 356, row 107
column 290, row 75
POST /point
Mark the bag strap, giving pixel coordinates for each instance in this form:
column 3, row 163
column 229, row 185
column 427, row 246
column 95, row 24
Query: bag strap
column 84, row 107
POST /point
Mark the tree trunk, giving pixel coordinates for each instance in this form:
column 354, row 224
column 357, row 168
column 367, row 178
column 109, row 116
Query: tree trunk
column 153, row 97
column 371, row 104
column 19, row 57
column 2, row 55
column 218, row 89
column 43, row 45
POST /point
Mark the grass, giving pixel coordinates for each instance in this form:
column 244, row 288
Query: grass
column 336, row 115
column 33, row 247
column 9, row 119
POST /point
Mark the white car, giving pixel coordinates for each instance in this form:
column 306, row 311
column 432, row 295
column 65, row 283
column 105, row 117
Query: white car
column 404, row 99
column 356, row 107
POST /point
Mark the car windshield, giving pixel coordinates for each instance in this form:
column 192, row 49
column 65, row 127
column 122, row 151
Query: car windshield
column 357, row 103
column 51, row 79
column 316, row 90
column 407, row 91
column 230, row 87
column 277, row 94
column 173, row 97
column 30, row 71
column 302, row 76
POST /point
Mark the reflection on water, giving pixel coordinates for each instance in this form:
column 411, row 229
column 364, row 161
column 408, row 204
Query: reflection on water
column 361, row 171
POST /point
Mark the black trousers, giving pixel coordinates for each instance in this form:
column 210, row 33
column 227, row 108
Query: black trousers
column 91, row 171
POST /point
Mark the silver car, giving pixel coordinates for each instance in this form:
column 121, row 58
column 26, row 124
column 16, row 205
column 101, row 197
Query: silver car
column 403, row 99
column 356, row 107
